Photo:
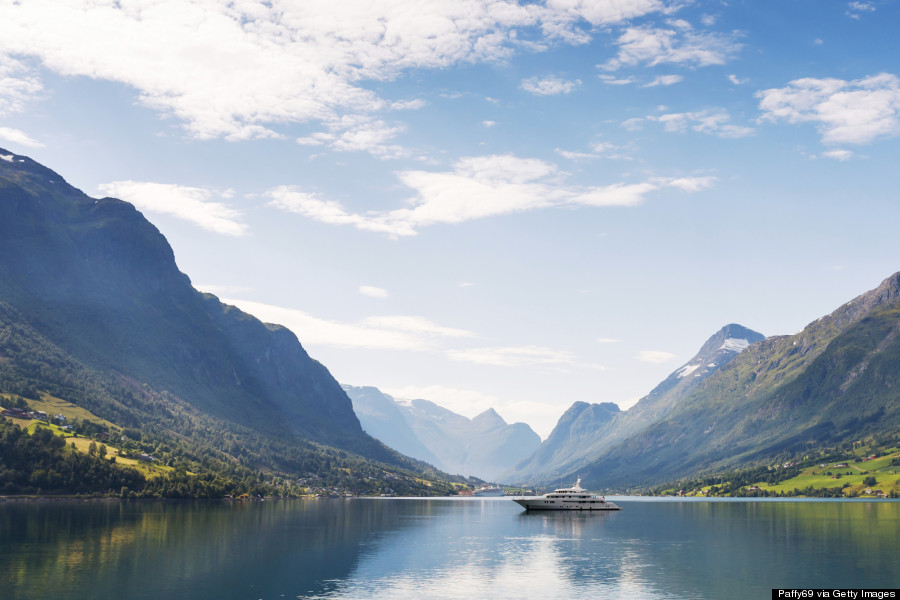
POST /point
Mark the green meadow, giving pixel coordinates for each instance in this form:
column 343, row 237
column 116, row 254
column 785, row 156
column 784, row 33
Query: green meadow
column 73, row 413
column 852, row 478
column 865, row 469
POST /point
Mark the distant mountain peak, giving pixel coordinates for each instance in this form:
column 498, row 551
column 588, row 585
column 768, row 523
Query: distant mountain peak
column 731, row 338
column 716, row 352
column 489, row 414
column 484, row 446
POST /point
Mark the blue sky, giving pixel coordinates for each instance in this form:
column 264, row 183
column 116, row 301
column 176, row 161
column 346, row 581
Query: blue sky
column 481, row 202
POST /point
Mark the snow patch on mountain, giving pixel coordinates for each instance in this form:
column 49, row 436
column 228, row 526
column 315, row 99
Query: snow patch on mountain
column 735, row 345
column 686, row 370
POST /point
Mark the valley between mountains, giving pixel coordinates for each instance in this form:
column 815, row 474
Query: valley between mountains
column 118, row 377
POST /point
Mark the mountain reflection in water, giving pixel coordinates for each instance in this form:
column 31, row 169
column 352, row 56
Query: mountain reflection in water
column 441, row 548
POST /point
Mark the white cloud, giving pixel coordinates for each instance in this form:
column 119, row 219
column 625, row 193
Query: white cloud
column 846, row 112
column 18, row 85
column 617, row 194
column 373, row 292
column 736, row 80
column 711, row 121
column 655, row 356
column 838, row 154
column 358, row 133
column 316, row 331
column 664, row 80
column 634, row 124
column 489, row 124
column 855, row 8
column 328, row 211
column 409, row 104
column 603, row 12
column 376, row 333
column 575, row 155
column 652, row 46
column 418, row 325
column 598, row 150
column 607, row 341
column 613, row 80
column 514, row 356
column 691, row 184
column 477, row 187
column 17, row 136
column 188, row 203
column 239, row 70
column 549, row 86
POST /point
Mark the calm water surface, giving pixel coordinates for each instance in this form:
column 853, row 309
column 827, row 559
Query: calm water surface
column 418, row 548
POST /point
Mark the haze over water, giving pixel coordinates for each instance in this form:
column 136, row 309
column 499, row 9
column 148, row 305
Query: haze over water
column 442, row 548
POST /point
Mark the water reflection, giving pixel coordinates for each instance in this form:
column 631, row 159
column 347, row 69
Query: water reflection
column 651, row 550
column 181, row 549
column 380, row 548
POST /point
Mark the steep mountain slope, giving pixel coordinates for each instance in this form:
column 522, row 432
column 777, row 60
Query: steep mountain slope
column 722, row 347
column 832, row 383
column 496, row 445
column 383, row 418
column 484, row 446
column 586, row 431
column 572, row 443
column 96, row 282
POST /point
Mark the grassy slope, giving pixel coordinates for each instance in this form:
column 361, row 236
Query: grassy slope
column 819, row 474
column 886, row 476
column 56, row 406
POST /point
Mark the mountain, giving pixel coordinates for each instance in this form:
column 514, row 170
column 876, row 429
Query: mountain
column 484, row 446
column 383, row 418
column 833, row 383
column 570, row 445
column 722, row 347
column 94, row 310
column 585, row 431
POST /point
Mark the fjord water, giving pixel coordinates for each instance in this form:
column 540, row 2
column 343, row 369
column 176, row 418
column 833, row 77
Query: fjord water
column 442, row 548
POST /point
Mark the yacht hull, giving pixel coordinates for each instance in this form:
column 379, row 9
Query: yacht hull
column 542, row 504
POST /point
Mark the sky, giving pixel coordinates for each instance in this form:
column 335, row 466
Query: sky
column 484, row 203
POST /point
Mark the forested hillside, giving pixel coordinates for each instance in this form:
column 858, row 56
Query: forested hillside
column 94, row 312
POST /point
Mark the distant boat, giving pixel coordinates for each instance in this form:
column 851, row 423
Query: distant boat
column 489, row 490
column 573, row 498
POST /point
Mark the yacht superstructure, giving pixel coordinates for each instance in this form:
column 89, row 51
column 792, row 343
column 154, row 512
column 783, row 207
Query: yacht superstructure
column 573, row 498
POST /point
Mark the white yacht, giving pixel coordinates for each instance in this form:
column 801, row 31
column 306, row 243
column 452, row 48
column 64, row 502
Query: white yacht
column 573, row 498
